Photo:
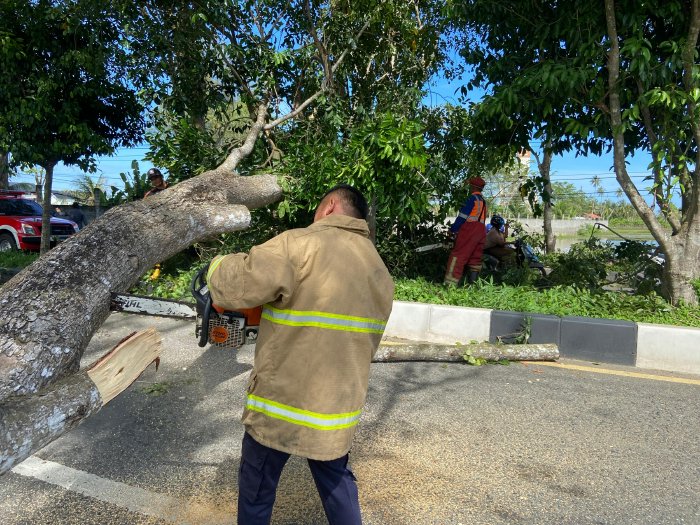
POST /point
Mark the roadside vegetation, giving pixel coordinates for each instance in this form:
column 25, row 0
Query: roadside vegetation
column 517, row 290
column 357, row 78
column 592, row 279
column 16, row 259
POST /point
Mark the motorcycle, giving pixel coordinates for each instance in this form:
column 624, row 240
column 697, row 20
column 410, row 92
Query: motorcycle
column 525, row 256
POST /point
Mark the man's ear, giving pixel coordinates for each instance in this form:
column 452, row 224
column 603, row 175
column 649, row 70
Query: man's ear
column 324, row 209
column 330, row 206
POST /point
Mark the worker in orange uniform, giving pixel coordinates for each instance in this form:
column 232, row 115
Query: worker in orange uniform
column 470, row 231
column 326, row 297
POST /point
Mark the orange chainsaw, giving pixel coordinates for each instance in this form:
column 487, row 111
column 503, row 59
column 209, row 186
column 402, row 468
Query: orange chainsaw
column 213, row 324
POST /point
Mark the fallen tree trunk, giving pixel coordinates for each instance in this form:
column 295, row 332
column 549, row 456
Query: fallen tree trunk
column 31, row 422
column 395, row 352
column 50, row 310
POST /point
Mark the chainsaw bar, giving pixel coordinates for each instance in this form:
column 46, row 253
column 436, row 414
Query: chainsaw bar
column 137, row 304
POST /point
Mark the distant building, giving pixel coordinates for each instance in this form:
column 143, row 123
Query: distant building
column 57, row 198
column 61, row 199
column 524, row 156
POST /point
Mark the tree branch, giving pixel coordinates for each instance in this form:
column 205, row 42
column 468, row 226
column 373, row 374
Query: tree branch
column 322, row 51
column 689, row 66
column 313, row 97
column 658, row 174
column 623, row 178
column 238, row 154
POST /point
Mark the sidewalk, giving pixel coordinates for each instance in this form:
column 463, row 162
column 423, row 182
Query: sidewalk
column 660, row 347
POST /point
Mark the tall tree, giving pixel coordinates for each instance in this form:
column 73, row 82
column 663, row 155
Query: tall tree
column 55, row 313
column 294, row 51
column 63, row 90
column 620, row 75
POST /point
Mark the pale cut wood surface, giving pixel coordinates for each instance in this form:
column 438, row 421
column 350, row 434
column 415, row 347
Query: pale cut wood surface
column 122, row 365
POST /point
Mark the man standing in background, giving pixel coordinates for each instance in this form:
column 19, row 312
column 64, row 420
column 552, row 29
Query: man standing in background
column 77, row 216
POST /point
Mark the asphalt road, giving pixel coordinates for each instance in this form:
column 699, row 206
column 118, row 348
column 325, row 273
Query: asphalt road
column 438, row 444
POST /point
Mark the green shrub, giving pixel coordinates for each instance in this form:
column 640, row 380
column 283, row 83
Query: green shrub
column 585, row 265
column 398, row 251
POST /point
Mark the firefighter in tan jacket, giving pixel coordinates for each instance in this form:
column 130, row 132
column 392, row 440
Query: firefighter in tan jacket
column 326, row 297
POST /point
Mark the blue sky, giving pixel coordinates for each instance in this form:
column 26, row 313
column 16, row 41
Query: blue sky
column 579, row 171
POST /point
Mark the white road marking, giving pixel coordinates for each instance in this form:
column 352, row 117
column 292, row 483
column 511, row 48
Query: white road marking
column 132, row 498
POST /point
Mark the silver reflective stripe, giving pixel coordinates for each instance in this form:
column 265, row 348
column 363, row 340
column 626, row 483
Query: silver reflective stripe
column 301, row 417
column 326, row 320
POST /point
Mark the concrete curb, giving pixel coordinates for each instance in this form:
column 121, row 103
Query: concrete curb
column 661, row 347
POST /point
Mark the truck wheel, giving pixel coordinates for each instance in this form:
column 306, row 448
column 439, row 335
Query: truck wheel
column 7, row 243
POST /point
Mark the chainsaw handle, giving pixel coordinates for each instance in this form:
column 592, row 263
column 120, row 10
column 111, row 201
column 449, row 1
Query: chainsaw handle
column 204, row 330
column 199, row 289
column 200, row 292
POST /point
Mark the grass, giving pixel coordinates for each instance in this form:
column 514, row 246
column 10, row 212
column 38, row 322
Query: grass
column 558, row 300
column 17, row 259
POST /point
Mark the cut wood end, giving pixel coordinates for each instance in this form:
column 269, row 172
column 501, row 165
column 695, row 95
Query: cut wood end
column 123, row 364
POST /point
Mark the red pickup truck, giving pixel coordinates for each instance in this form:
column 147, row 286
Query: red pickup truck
column 20, row 223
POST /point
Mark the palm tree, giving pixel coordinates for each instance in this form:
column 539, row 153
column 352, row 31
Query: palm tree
column 85, row 187
column 598, row 187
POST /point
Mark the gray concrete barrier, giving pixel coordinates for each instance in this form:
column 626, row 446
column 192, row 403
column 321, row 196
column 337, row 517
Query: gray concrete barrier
column 661, row 347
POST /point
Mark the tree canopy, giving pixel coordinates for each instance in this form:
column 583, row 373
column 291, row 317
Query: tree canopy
column 620, row 76
column 63, row 90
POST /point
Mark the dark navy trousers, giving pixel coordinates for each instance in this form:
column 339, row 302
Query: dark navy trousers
column 261, row 468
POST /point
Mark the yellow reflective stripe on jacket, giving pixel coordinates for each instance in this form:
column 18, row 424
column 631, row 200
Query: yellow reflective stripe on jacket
column 301, row 417
column 346, row 323
column 213, row 265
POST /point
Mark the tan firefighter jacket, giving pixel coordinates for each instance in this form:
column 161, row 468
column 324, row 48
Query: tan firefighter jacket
column 326, row 297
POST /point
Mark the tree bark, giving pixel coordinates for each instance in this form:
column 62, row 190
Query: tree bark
column 49, row 311
column 4, row 170
column 544, row 167
column 31, row 422
column 681, row 250
column 490, row 352
column 46, row 215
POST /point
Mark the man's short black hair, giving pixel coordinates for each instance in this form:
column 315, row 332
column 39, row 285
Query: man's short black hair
column 352, row 198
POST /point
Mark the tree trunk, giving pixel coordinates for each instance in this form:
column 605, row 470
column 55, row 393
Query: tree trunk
column 550, row 239
column 681, row 267
column 46, row 215
column 59, row 301
column 681, row 250
column 390, row 352
column 31, row 422
column 4, row 170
